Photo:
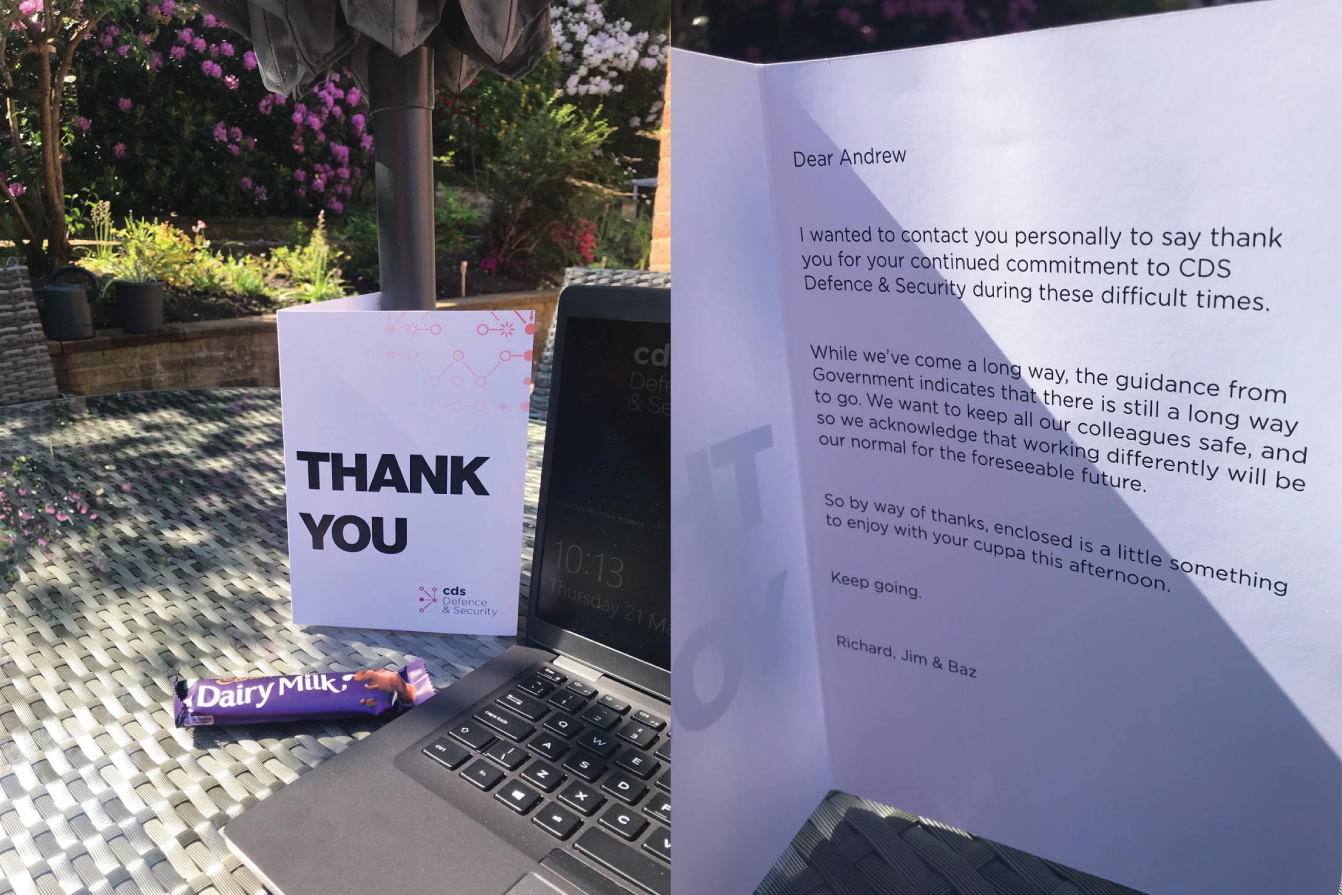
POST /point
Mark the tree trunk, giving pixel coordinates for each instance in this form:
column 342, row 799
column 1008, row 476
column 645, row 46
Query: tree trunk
column 58, row 236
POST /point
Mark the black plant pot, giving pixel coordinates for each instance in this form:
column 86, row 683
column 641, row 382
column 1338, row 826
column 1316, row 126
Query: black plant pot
column 140, row 306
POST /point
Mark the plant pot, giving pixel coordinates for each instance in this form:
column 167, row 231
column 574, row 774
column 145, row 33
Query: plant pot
column 140, row 306
column 64, row 307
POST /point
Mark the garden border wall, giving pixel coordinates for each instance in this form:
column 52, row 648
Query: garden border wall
column 215, row 353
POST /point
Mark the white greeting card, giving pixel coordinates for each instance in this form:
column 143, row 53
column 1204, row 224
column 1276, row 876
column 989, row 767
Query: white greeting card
column 405, row 461
column 1006, row 448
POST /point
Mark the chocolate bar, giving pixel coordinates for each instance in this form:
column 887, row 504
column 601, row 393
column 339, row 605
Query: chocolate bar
column 299, row 697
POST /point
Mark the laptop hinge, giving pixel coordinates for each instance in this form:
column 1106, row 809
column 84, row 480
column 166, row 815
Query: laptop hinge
column 576, row 668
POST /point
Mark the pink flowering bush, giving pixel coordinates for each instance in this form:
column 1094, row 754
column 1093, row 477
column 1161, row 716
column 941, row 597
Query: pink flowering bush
column 199, row 134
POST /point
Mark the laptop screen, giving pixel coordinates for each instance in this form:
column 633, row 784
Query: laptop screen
column 606, row 562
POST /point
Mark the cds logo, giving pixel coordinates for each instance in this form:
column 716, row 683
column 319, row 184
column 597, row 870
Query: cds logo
column 657, row 357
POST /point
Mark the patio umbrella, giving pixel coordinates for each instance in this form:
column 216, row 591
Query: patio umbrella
column 396, row 50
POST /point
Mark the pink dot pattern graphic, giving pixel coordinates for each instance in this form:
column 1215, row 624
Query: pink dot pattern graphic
column 458, row 368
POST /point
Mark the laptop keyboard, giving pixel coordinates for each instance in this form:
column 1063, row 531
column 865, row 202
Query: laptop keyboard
column 586, row 767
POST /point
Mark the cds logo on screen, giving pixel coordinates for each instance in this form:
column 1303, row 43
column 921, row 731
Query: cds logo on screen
column 656, row 357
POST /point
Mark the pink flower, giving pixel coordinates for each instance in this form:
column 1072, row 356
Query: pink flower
column 16, row 189
column 335, row 205
column 155, row 10
column 41, row 542
column 296, row 117
column 235, row 134
column 314, row 122
column 61, row 517
column 219, row 131
column 83, row 123
column 300, row 193
column 246, row 183
column 366, row 141
column 260, row 194
column 169, row 7
column 340, row 153
column 300, row 175
column 198, row 45
column 319, row 184
column 337, row 112
column 210, row 21
column 250, row 144
column 185, row 35
column 342, row 172
column 358, row 121
column 231, row 81
column 227, row 48
column 211, row 68
column 249, row 60
column 49, row 509
column 177, row 52
column 123, row 50
column 125, row 486
column 156, row 62
column 298, row 148
column 234, row 148
column 93, row 515
column 124, row 104
column 353, row 96
column 119, row 150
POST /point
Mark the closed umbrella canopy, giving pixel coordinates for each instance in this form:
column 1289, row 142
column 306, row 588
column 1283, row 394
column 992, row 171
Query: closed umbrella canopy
column 298, row 41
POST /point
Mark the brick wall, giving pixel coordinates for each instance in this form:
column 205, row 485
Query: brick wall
column 216, row 353
column 661, row 209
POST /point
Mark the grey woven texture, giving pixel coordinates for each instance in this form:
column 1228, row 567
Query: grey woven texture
column 185, row 568
column 25, row 365
column 585, row 276
column 853, row 846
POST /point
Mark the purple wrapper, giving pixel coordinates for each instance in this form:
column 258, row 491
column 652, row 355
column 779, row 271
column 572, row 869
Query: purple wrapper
column 299, row 697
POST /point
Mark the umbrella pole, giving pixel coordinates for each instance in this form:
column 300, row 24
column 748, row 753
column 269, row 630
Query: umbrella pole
column 401, row 97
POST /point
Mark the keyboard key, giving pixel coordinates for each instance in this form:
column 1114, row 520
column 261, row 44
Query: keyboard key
column 483, row 774
column 564, row 725
column 518, row 797
column 527, row 706
column 639, row 734
column 583, row 765
column 650, row 720
column 640, row 764
column 472, row 734
column 639, row 869
column 568, row 701
column 624, row 822
column 660, row 808
column 506, row 754
column 664, row 782
column 664, row 751
column 583, row 798
column 614, row 704
column 551, row 675
column 446, row 753
column 625, row 788
column 582, row 689
column 537, row 686
column 600, row 716
column 544, row 775
column 659, row 843
column 547, row 745
column 505, row 722
column 556, row 820
column 603, row 744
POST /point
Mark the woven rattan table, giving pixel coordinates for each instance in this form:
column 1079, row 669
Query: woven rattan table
column 184, row 567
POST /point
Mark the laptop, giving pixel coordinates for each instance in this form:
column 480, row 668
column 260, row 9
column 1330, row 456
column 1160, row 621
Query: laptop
column 546, row 771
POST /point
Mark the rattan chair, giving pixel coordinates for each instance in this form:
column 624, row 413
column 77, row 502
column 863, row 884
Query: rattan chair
column 25, row 364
